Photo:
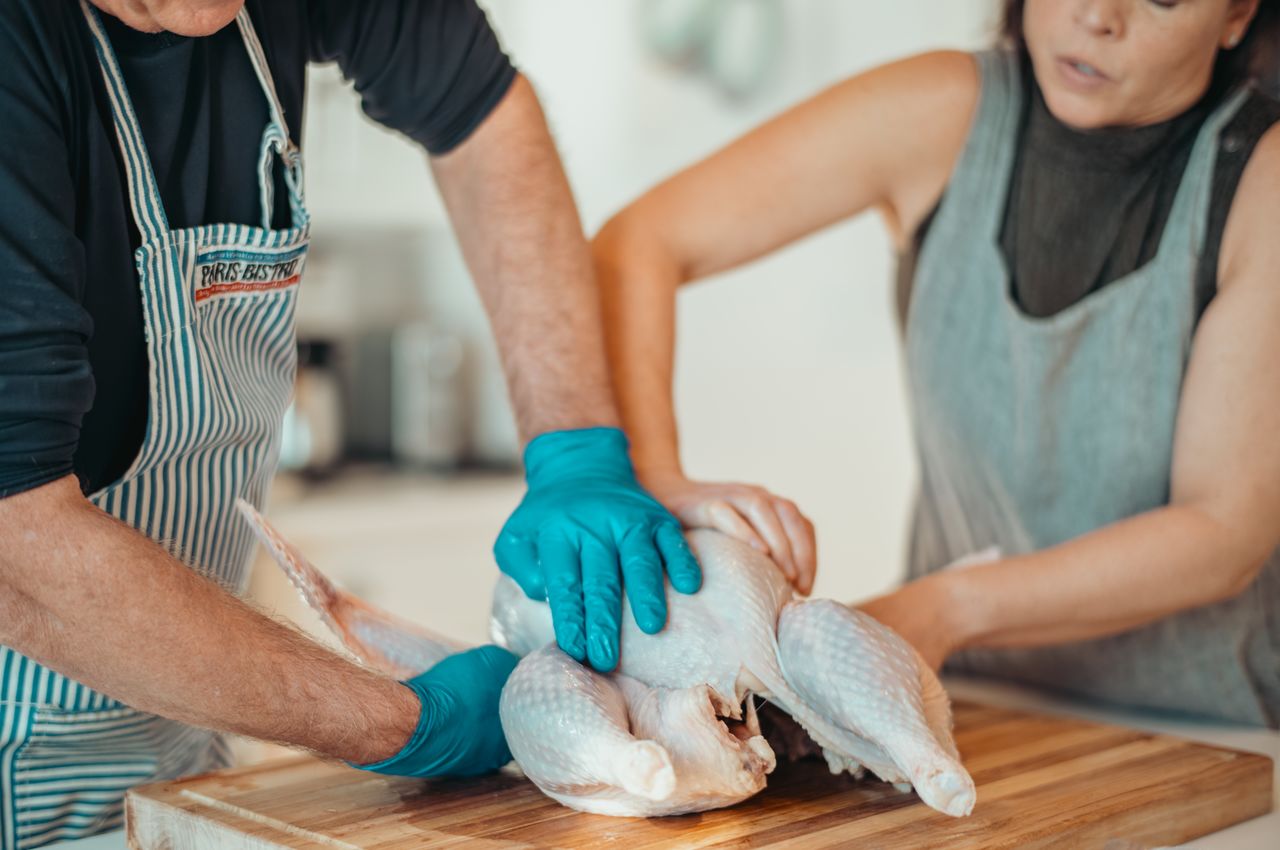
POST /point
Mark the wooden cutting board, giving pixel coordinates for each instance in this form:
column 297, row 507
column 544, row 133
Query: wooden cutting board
column 1043, row 781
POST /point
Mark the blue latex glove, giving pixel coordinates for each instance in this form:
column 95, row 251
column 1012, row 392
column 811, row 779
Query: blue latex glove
column 583, row 528
column 458, row 732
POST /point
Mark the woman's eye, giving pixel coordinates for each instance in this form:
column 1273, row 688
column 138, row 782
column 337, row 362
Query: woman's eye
column 1164, row 4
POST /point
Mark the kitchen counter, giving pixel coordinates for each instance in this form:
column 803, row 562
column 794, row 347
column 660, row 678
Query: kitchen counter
column 1258, row 834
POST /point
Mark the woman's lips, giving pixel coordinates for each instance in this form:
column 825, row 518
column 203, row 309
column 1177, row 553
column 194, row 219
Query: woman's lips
column 1080, row 75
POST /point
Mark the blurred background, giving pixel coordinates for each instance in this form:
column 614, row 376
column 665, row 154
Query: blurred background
column 401, row 453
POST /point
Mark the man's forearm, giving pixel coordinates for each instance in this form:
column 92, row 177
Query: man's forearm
column 1117, row 578
column 516, row 221
column 95, row 600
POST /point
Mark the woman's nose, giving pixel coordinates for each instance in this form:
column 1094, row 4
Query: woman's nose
column 1102, row 18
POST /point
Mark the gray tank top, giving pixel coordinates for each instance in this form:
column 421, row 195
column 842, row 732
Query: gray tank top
column 1032, row 431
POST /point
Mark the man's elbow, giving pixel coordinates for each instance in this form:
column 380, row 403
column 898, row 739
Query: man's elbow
column 28, row 520
column 31, row 519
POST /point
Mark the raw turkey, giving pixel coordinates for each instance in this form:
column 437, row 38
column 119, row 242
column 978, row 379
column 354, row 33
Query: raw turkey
column 675, row 728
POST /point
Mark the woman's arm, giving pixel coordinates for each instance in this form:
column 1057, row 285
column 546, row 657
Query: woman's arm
column 1223, row 517
column 886, row 139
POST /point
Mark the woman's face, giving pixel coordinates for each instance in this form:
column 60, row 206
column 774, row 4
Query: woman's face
column 1104, row 63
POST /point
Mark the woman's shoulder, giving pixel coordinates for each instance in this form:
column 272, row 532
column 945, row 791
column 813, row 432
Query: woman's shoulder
column 940, row 93
column 935, row 97
column 939, row 77
column 1254, row 132
column 1250, row 230
column 1260, row 182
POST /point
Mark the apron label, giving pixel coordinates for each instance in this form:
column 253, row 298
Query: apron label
column 230, row 272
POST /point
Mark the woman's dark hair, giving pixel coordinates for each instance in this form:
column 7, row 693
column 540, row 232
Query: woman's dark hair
column 1257, row 56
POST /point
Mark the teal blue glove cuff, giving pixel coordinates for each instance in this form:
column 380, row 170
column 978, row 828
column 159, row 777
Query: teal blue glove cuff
column 408, row 760
column 458, row 731
column 556, row 455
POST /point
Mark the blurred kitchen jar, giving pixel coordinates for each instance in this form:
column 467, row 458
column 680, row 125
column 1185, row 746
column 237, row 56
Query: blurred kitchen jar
column 428, row 410
column 312, row 437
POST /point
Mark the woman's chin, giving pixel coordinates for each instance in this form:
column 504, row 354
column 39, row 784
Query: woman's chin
column 1081, row 113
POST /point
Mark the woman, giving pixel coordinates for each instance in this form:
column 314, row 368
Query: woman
column 1089, row 298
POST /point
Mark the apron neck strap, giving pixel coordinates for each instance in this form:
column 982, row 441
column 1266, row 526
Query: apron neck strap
column 259, row 61
column 144, row 192
column 275, row 139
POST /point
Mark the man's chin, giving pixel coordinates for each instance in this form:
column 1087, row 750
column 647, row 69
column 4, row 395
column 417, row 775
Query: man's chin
column 196, row 19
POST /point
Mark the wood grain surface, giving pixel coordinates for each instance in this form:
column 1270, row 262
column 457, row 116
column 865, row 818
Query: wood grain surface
column 1043, row 781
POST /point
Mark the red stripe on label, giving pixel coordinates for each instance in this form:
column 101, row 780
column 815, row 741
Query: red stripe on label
column 242, row 286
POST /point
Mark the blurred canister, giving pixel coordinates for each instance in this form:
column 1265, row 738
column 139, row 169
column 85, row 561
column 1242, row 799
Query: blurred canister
column 428, row 410
column 312, row 433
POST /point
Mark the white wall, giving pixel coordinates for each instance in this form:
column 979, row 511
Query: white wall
column 789, row 371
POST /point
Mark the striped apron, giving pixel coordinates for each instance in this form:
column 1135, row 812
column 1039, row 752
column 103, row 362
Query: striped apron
column 218, row 304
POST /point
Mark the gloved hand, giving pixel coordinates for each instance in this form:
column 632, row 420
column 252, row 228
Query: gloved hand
column 458, row 732
column 584, row 527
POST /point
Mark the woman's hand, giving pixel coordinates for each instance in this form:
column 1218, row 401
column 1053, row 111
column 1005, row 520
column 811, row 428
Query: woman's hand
column 923, row 613
column 771, row 524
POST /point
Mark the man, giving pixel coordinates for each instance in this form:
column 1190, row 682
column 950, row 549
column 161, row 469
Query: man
column 153, row 233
